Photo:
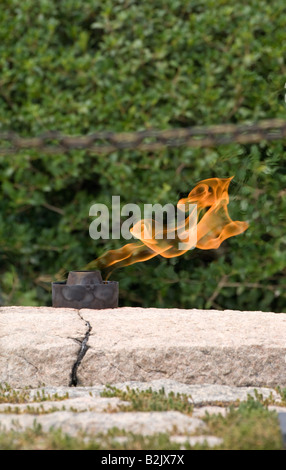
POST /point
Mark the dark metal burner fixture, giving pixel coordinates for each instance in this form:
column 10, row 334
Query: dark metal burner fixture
column 85, row 289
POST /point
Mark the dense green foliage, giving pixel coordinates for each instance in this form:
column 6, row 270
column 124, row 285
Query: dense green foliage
column 125, row 65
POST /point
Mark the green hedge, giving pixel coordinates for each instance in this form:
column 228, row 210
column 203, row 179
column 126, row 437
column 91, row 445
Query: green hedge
column 125, row 65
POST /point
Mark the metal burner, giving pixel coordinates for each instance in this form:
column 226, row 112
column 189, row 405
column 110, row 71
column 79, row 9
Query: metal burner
column 85, row 289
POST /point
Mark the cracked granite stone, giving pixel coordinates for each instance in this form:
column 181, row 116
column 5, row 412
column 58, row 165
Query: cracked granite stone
column 189, row 346
column 38, row 345
column 42, row 345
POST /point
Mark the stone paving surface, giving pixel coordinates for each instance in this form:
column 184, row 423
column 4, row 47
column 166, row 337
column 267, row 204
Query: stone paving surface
column 204, row 394
column 86, row 410
column 217, row 358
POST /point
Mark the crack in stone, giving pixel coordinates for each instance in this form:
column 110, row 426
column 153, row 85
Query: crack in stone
column 80, row 355
column 30, row 363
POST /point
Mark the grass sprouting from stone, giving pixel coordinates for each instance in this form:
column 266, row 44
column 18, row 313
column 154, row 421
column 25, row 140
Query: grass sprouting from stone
column 250, row 426
column 150, row 400
column 13, row 396
column 36, row 411
column 35, row 439
column 282, row 392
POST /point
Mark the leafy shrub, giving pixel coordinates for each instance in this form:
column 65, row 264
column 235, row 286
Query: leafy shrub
column 124, row 65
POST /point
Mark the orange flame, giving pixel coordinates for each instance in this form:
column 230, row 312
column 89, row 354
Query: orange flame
column 211, row 226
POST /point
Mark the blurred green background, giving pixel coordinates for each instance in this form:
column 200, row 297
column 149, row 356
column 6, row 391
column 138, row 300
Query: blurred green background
column 124, row 65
